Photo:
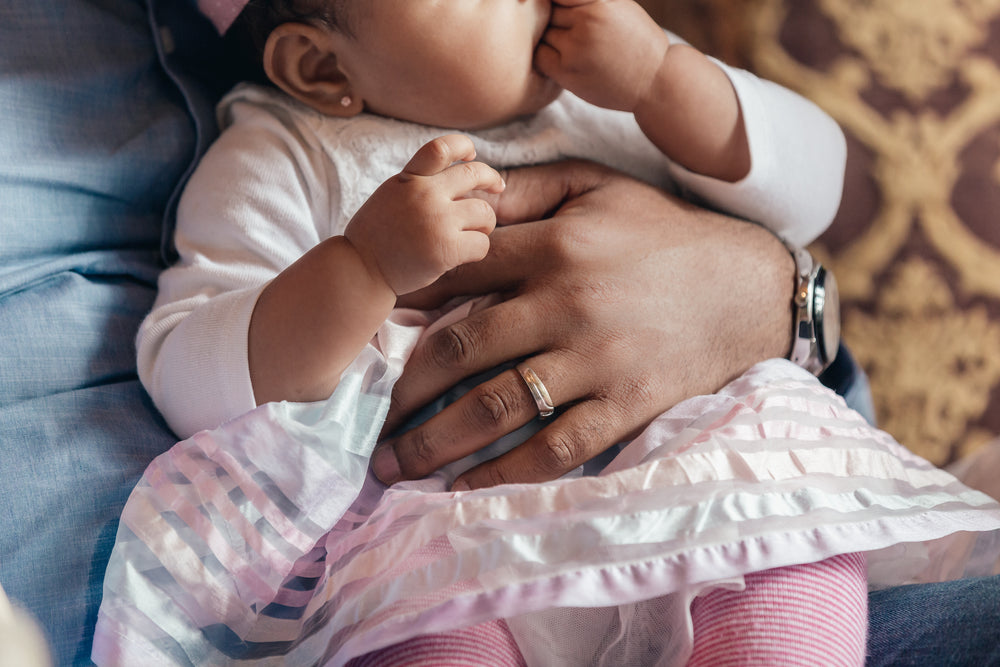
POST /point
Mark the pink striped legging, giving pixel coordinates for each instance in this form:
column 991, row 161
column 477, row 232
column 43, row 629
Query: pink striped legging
column 809, row 614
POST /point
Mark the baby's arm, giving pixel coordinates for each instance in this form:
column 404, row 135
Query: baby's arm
column 258, row 207
column 612, row 54
column 738, row 144
column 315, row 317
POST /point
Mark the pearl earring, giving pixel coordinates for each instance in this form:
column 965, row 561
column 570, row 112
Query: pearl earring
column 346, row 101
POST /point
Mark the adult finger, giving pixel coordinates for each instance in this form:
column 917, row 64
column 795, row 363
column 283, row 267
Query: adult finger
column 440, row 153
column 536, row 192
column 576, row 436
column 483, row 340
column 482, row 415
column 494, row 408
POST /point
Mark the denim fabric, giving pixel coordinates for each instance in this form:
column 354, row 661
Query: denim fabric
column 849, row 380
column 953, row 624
column 93, row 138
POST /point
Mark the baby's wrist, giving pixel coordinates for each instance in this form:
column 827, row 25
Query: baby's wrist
column 367, row 260
column 652, row 93
column 665, row 80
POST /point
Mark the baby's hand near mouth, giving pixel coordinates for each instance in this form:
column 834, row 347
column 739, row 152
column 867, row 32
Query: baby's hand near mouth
column 607, row 52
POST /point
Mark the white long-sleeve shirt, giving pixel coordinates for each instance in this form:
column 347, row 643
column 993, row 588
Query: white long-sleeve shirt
column 282, row 177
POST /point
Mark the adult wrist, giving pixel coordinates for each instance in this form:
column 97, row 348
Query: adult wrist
column 758, row 287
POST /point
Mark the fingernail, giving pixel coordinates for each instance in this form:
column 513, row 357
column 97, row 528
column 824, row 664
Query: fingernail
column 461, row 485
column 385, row 465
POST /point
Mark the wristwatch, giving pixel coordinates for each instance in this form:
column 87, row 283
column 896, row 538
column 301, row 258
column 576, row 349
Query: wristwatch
column 816, row 305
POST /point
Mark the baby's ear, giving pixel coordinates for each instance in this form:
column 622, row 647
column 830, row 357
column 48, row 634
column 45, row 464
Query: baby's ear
column 299, row 60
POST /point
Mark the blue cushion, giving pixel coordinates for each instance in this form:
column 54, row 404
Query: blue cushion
column 93, row 137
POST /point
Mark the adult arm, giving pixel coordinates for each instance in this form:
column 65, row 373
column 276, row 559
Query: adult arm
column 625, row 302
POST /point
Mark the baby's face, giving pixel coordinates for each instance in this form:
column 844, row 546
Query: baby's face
column 463, row 64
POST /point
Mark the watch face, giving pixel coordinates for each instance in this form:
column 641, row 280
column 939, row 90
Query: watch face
column 827, row 312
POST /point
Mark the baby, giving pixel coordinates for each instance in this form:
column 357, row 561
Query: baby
column 330, row 210
column 369, row 169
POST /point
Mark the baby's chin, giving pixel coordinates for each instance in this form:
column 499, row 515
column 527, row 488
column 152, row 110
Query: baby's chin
column 539, row 97
column 480, row 111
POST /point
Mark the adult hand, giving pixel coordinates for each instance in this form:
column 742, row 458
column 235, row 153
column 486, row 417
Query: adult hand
column 624, row 302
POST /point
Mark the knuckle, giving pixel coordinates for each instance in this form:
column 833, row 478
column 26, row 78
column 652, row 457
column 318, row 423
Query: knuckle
column 632, row 396
column 493, row 406
column 454, row 346
column 558, row 454
column 485, row 210
column 470, row 169
column 570, row 242
column 495, row 475
column 612, row 345
column 416, row 454
column 556, row 246
column 440, row 149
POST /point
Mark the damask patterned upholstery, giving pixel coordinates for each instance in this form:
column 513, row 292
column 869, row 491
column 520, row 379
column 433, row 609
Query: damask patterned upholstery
column 916, row 247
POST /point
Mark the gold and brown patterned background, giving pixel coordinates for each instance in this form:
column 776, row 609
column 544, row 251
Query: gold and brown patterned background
column 916, row 246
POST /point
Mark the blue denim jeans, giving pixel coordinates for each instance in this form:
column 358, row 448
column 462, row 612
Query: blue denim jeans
column 847, row 378
column 96, row 129
column 952, row 624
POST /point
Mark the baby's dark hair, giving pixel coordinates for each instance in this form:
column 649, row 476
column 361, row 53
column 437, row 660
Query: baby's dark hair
column 248, row 34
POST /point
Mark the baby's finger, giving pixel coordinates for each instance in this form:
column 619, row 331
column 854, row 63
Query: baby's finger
column 476, row 215
column 561, row 17
column 473, row 246
column 438, row 154
column 548, row 59
column 466, row 177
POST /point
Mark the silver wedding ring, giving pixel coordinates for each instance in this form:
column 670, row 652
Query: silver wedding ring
column 538, row 391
